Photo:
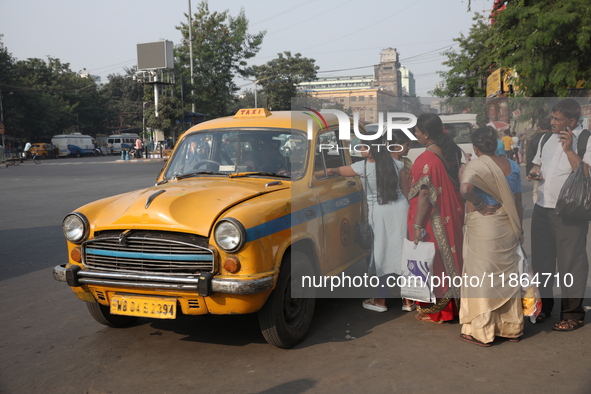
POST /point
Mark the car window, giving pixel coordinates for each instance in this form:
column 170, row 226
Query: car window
column 327, row 153
column 230, row 151
column 460, row 132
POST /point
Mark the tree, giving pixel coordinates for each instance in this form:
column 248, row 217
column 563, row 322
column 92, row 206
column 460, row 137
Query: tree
column 221, row 47
column 125, row 98
column 547, row 43
column 280, row 76
column 170, row 114
column 49, row 98
column 470, row 66
column 246, row 100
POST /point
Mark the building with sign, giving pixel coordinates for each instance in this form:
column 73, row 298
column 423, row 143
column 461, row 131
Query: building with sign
column 367, row 94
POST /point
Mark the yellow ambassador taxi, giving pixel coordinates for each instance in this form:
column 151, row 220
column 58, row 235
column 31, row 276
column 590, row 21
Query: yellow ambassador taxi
column 240, row 212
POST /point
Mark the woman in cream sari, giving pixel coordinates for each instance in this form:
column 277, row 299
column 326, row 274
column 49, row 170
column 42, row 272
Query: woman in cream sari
column 492, row 185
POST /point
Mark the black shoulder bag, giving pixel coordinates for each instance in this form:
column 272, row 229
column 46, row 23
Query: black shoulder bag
column 363, row 231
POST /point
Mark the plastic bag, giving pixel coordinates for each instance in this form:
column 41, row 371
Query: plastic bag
column 531, row 300
column 574, row 200
column 417, row 270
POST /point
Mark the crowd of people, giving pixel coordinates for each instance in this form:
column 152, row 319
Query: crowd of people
column 472, row 211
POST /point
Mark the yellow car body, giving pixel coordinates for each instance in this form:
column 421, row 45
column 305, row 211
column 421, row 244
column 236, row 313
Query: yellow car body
column 41, row 149
column 155, row 253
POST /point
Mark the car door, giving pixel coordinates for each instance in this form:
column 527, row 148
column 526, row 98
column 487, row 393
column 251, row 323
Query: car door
column 339, row 200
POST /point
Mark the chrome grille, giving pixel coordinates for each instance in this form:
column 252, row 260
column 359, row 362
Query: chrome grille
column 149, row 252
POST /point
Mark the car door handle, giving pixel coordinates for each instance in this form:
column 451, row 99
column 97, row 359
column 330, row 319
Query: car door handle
column 351, row 183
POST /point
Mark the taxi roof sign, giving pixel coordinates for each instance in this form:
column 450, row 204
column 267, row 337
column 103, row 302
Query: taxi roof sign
column 252, row 113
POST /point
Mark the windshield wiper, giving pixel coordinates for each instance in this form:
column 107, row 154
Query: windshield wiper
column 242, row 174
column 192, row 174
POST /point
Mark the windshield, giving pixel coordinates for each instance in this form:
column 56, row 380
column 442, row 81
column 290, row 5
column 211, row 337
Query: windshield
column 262, row 152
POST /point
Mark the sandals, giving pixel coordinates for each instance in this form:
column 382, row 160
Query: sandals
column 569, row 325
column 471, row 339
column 408, row 307
column 542, row 316
column 370, row 304
column 424, row 317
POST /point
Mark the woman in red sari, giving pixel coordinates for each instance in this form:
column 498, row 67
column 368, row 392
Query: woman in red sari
column 436, row 213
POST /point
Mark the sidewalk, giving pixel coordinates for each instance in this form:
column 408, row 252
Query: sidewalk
column 150, row 160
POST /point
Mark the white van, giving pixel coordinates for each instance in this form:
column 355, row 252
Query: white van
column 458, row 126
column 74, row 144
column 117, row 141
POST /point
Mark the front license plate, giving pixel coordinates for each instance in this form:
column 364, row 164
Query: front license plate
column 154, row 307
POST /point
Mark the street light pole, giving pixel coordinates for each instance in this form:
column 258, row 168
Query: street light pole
column 2, row 120
column 255, row 81
column 191, row 59
column 255, row 93
column 144, row 118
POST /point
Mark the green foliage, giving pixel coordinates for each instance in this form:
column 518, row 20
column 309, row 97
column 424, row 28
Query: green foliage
column 170, row 114
column 548, row 44
column 280, row 76
column 124, row 97
column 246, row 100
column 221, row 46
column 43, row 98
column 470, row 66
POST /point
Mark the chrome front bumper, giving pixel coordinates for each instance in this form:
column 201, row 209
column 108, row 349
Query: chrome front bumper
column 205, row 284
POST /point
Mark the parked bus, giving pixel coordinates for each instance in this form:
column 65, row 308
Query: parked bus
column 75, row 144
column 118, row 141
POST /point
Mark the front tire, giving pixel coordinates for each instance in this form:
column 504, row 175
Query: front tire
column 284, row 320
column 101, row 314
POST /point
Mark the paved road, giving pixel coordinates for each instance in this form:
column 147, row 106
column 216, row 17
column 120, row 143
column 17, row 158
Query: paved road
column 50, row 344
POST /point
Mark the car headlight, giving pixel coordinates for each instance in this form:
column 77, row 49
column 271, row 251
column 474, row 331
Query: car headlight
column 229, row 234
column 75, row 227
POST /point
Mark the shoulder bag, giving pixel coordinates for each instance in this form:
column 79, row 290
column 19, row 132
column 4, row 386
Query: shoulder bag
column 363, row 231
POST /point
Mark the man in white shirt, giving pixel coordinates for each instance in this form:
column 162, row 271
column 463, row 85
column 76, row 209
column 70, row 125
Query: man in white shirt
column 515, row 147
column 556, row 241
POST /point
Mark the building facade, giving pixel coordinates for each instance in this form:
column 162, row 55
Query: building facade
column 366, row 94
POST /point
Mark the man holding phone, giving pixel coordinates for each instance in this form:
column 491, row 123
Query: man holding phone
column 560, row 242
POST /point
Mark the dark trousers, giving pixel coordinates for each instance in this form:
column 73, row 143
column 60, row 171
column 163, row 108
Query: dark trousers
column 560, row 243
column 516, row 155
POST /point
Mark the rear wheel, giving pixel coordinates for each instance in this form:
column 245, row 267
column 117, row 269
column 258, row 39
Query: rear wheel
column 101, row 314
column 38, row 159
column 284, row 320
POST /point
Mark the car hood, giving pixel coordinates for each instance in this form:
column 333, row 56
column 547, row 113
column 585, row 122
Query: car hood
column 188, row 205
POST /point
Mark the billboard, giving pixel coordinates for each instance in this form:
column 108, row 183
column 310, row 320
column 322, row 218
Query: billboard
column 493, row 83
column 155, row 55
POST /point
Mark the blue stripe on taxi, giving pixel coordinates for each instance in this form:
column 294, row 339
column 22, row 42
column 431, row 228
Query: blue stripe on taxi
column 303, row 215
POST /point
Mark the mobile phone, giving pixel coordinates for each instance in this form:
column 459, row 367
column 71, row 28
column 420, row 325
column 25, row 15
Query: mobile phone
column 533, row 175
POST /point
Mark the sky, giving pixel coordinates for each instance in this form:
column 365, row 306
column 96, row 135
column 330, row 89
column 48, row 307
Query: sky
column 344, row 35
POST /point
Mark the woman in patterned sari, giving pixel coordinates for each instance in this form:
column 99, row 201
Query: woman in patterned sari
column 436, row 213
column 492, row 185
